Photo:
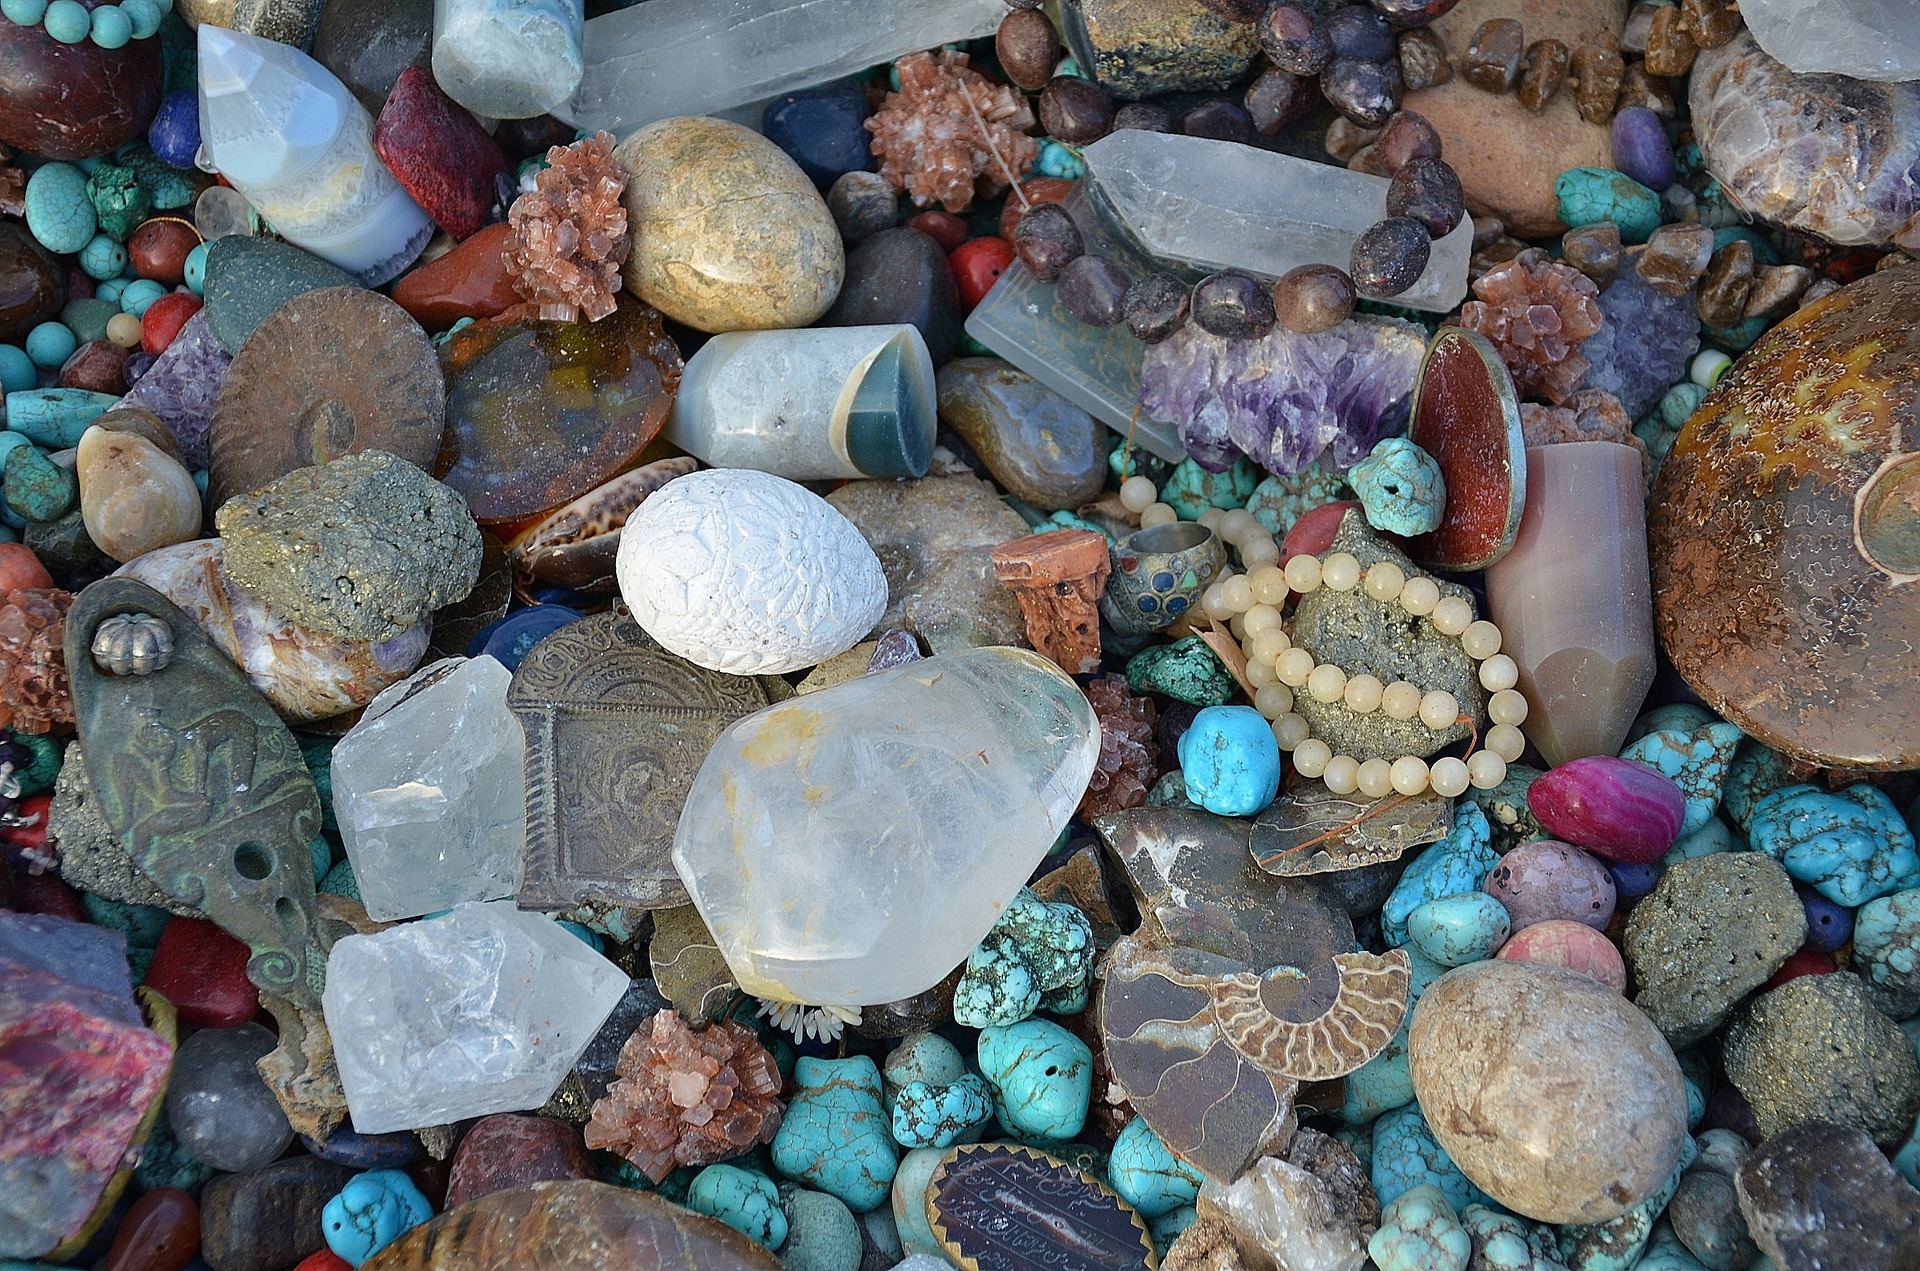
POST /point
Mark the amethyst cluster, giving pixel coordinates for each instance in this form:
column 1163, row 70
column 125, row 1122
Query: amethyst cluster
column 1283, row 399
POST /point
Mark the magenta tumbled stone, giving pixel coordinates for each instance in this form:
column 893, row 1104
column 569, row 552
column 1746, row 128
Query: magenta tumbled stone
column 440, row 154
column 1614, row 808
column 511, row 1150
column 1546, row 880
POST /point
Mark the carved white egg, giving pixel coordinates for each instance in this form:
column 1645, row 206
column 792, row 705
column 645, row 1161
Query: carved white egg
column 747, row 573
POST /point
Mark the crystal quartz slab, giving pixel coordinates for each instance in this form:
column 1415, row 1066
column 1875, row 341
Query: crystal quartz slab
column 925, row 796
column 430, row 791
column 290, row 137
column 508, row 59
column 1096, row 368
column 698, row 57
column 1197, row 205
column 483, row 1010
column 1864, row 39
column 1573, row 599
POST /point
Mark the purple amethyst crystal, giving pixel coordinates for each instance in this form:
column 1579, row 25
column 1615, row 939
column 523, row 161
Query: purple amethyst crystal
column 1643, row 344
column 181, row 385
column 1283, row 399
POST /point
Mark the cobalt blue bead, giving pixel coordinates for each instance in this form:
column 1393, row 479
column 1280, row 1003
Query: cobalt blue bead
column 175, row 133
column 1641, row 149
column 513, row 637
column 348, row 1147
column 821, row 129
column 561, row 596
column 1631, row 882
column 1828, row 925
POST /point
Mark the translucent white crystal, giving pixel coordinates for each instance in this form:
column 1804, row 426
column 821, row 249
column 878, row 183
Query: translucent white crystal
column 510, row 59
column 290, row 137
column 849, row 847
column 1866, row 39
column 1207, row 205
column 430, row 791
column 696, row 57
column 479, row 1011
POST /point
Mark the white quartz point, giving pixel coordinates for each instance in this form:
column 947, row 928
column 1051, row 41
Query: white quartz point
column 430, row 791
column 698, row 57
column 1864, row 39
column 1214, row 205
column 747, row 573
column 508, row 59
column 290, row 137
column 482, row 1010
column 851, row 846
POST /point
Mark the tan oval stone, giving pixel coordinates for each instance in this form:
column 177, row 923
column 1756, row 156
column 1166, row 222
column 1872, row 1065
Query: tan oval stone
column 728, row 233
column 134, row 497
column 1553, row 1093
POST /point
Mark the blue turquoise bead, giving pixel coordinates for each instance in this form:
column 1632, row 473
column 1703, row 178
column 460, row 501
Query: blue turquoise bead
column 165, row 6
column 1456, row 930
column 51, row 344
column 145, row 17
column 1400, row 488
column 112, row 28
column 1457, row 864
column 1146, row 1173
column 1042, row 1077
column 17, row 373
column 837, row 1136
column 1406, row 1155
column 1231, row 760
column 140, row 294
column 102, row 258
column 1190, row 489
column 743, row 1199
column 1588, row 196
column 927, row 1057
column 59, row 213
column 1851, row 845
column 109, row 290
column 371, row 1212
column 68, row 21
column 1886, row 951
column 24, row 12
column 1695, row 759
column 1419, row 1231
column 928, row 1115
column 196, row 270
column 1057, row 159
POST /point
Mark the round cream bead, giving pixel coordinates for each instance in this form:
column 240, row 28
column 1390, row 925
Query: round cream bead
column 1363, row 694
column 1262, row 617
column 1326, row 683
column 1214, row 601
column 1400, row 700
column 1303, row 573
column 1481, row 639
column 1451, row 616
column 1486, row 769
column 1273, row 700
column 1448, row 777
column 1506, row 741
column 1269, row 584
column 1341, row 571
column 1211, row 519
column 1290, row 731
column 1261, row 673
column 1507, row 707
column 1384, row 580
column 1257, row 551
column 1439, row 710
column 1137, row 494
column 1419, row 596
column 1409, row 774
column 1293, row 667
column 1236, row 524
column 1311, row 757
column 1342, row 774
column 1375, row 778
column 1498, row 672
column 1238, row 593
column 1157, row 514
column 1266, row 645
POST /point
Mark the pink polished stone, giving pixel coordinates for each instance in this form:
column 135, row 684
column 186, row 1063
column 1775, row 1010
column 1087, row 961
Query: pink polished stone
column 1572, row 945
column 439, row 153
column 1614, row 808
column 1545, row 880
column 510, row 1150
column 1313, row 532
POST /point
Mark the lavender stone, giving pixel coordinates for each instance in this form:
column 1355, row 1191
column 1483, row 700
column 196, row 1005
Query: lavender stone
column 1641, row 149
column 181, row 385
column 1643, row 344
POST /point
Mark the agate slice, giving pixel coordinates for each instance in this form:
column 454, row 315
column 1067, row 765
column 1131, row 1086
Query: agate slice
column 1004, row 1207
column 1467, row 416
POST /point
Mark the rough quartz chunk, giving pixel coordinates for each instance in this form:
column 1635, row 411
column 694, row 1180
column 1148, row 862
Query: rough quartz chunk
column 1864, row 39
column 430, row 791
column 849, row 847
column 483, row 1010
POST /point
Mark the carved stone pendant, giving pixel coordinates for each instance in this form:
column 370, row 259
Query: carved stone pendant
column 616, row 729
column 1003, row 1207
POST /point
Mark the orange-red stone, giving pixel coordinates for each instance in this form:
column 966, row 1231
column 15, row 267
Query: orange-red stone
column 470, row 281
column 1466, row 415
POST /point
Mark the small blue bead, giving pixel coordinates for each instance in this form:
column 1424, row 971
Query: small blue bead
column 111, row 27
column 513, row 637
column 139, row 295
column 24, row 12
column 102, row 258
column 175, row 131
column 17, row 374
column 68, row 21
column 1631, row 881
column 50, row 344
column 109, row 290
column 196, row 270
column 1829, row 926
column 145, row 16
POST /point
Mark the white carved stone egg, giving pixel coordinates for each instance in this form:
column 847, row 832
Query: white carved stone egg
column 747, row 573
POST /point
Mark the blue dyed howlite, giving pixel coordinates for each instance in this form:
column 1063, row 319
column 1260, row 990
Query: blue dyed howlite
column 102, row 258
column 50, row 344
column 175, row 131
column 821, row 129
column 837, row 1136
column 1419, row 1231
column 371, row 1212
column 59, row 213
column 1042, row 1075
column 1640, row 147
column 930, row 1115
column 513, row 637
column 17, row 373
column 111, row 28
column 1631, row 882
column 1851, row 846
column 1695, row 757
column 195, row 271
column 1456, row 865
column 1231, row 760
column 140, row 295
column 1400, row 488
column 1456, row 930
column 1147, row 1174
column 745, row 1200
column 1406, row 1155
column 68, row 21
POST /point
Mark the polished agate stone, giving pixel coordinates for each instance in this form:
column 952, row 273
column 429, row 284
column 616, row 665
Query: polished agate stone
column 31, row 287
column 542, row 412
column 75, row 101
column 1467, row 416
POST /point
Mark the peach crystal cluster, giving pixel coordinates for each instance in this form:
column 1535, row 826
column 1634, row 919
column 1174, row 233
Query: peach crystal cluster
column 1535, row 311
column 929, row 134
column 1592, row 414
column 686, row 1096
column 570, row 233
column 33, row 667
column 1129, row 755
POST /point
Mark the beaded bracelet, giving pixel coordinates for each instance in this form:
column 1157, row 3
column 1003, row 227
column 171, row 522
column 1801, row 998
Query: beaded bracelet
column 109, row 25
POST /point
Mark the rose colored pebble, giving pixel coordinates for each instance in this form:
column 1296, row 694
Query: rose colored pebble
column 99, row 366
column 164, row 318
column 203, row 971
column 1805, row 962
column 1573, row 945
column 325, row 1260
column 1614, row 808
column 1545, row 880
column 20, row 568
column 977, row 265
column 1313, row 533
column 944, row 228
column 508, row 1150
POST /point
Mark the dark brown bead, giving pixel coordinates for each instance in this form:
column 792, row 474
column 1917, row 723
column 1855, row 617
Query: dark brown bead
column 1638, row 88
column 1670, row 50
column 1156, row 307
column 1293, row 40
column 1428, row 191
column 1423, row 60
column 1594, row 250
column 1345, row 138
column 32, row 286
column 1094, row 290
column 1357, row 31
column 1144, row 116
column 1727, row 285
column 1241, row 11
column 1028, row 48
column 1595, row 73
column 1486, row 230
column 1366, row 92
column 1542, row 71
column 1277, row 100
column 1074, row 110
column 1313, row 298
column 1233, row 305
column 159, row 250
column 99, row 366
column 1413, row 13
column 1408, row 136
column 1493, row 59
column 1711, row 23
column 1675, row 257
column 1389, row 256
column 161, row 1232
column 1046, row 240
column 1218, row 118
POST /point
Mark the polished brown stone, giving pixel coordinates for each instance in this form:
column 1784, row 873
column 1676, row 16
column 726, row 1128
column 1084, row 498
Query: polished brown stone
column 75, row 101
column 32, row 287
column 468, row 282
column 1785, row 533
column 1467, row 416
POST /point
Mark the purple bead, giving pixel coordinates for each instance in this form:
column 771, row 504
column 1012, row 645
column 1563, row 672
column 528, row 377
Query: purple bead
column 1632, row 881
column 1828, row 925
column 181, row 386
column 1641, row 149
column 175, row 133
column 1614, row 808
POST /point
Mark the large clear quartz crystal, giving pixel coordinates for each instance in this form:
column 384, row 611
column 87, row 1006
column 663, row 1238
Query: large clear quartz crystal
column 1866, row 39
column 430, row 791
column 850, row 847
column 509, row 59
column 1196, row 205
column 479, row 1011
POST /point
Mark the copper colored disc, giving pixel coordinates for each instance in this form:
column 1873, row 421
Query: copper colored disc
column 329, row 373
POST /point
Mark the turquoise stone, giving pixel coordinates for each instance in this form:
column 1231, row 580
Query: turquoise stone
column 37, row 488
column 1191, row 489
column 50, row 344
column 1148, row 1175
column 1186, row 670
column 55, row 417
column 1058, row 159
column 745, row 1200
column 119, row 202
column 927, row 1057
column 1042, row 1077
column 1850, row 846
column 1382, row 1084
column 1695, row 759
column 1457, row 864
column 1279, row 501
column 340, row 881
column 1616, row 1245
column 1886, row 951
column 1456, row 930
column 1665, row 1252
column 1420, row 1232
column 139, row 295
column 1507, row 1243
column 837, row 1136
column 371, row 1212
column 1406, row 1156
column 59, row 214
column 17, row 372
column 1589, row 196
column 927, row 1115
column 1038, row 954
column 1400, row 488
column 1231, row 760
column 1712, row 837
column 102, row 258
column 1758, row 770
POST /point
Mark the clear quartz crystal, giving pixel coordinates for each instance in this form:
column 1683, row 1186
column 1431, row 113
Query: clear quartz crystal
column 430, row 791
column 849, row 847
column 1196, row 205
column 508, row 59
column 699, row 57
column 482, row 1010
column 1865, row 39
column 299, row 146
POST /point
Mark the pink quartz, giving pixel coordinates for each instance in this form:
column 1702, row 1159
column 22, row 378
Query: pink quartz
column 1573, row 945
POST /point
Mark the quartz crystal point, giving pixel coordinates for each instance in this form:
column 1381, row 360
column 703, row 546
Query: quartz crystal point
column 482, row 1010
column 923, row 796
column 1573, row 599
column 1196, row 205
column 290, row 137
column 1864, row 39
column 508, row 59
column 697, row 57
column 429, row 790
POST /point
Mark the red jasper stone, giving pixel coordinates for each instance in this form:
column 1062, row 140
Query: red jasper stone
column 469, row 281
column 1805, row 962
column 1313, row 532
column 1574, row 945
column 977, row 265
column 1467, row 416
column 203, row 971
column 19, row 568
column 98, row 366
column 161, row 1232
column 159, row 250
column 75, row 101
column 45, row 894
column 325, row 1260
column 164, row 318
column 944, row 228
column 507, row 1150
column 439, row 153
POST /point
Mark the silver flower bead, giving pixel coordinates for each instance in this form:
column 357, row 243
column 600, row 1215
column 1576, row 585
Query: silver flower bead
column 132, row 644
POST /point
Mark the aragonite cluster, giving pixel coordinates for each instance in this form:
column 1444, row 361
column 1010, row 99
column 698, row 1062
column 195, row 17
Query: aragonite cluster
column 1129, row 755
column 951, row 133
column 1535, row 311
column 570, row 234
column 33, row 670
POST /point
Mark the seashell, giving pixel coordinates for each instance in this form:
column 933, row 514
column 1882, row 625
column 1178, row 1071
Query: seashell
column 575, row 545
